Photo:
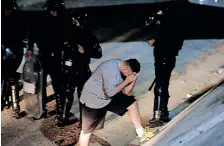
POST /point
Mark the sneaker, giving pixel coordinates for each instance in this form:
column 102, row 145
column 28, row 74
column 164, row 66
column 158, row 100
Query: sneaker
column 147, row 135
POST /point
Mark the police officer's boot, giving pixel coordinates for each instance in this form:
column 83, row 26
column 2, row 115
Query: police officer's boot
column 155, row 121
column 156, row 110
column 164, row 109
column 165, row 117
column 154, row 115
column 69, row 103
column 162, row 115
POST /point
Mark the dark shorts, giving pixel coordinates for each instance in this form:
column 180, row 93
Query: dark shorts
column 93, row 119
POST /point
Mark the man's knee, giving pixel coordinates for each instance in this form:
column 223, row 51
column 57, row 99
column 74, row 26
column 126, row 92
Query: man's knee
column 133, row 106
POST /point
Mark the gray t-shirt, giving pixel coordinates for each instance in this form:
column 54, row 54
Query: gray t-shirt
column 100, row 87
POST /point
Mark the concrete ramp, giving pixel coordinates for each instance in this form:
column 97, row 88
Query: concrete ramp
column 201, row 124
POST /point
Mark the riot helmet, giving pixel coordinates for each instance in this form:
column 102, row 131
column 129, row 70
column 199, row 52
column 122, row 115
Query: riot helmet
column 54, row 6
column 158, row 16
column 9, row 6
column 79, row 19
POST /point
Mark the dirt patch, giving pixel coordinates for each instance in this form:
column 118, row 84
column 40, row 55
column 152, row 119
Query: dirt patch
column 67, row 135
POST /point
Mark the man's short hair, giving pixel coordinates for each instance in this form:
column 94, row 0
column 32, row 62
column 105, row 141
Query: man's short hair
column 134, row 65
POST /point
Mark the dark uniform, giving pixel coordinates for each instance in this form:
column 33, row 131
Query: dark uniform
column 14, row 31
column 167, row 44
column 49, row 34
column 82, row 37
column 76, row 70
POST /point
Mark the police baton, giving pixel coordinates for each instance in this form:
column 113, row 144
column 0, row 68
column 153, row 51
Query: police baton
column 154, row 81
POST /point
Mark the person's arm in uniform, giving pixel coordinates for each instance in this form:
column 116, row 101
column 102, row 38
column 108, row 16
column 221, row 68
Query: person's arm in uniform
column 97, row 51
column 156, row 37
column 93, row 51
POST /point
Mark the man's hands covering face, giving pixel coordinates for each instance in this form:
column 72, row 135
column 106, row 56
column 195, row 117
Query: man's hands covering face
column 132, row 78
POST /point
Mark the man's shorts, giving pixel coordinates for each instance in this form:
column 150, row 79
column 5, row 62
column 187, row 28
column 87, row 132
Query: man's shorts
column 93, row 119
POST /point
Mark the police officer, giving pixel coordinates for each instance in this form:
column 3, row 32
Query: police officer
column 13, row 33
column 49, row 34
column 88, row 47
column 167, row 42
column 82, row 46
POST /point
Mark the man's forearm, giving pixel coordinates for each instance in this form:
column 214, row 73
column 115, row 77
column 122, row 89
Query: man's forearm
column 120, row 87
column 129, row 88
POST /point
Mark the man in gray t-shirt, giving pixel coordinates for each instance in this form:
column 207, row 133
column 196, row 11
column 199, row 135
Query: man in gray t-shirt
column 100, row 87
column 107, row 91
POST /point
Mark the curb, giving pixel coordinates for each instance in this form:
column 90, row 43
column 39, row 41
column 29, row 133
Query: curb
column 165, row 129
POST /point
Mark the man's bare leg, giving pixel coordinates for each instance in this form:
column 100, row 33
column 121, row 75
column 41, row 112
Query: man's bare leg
column 84, row 139
column 134, row 114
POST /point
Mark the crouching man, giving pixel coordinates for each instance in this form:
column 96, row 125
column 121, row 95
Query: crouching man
column 107, row 91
